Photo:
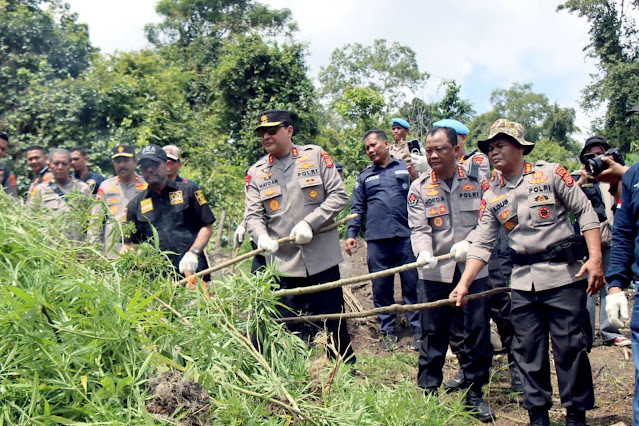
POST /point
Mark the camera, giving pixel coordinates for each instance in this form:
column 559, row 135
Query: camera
column 413, row 147
column 595, row 165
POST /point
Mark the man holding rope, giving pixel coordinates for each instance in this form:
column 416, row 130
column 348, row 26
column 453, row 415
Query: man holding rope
column 294, row 191
column 443, row 210
column 532, row 203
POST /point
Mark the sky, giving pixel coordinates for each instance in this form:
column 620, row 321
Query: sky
column 483, row 45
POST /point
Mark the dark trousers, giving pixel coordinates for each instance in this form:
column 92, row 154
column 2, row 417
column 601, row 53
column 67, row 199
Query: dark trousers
column 560, row 313
column 259, row 261
column 476, row 352
column 325, row 302
column 385, row 254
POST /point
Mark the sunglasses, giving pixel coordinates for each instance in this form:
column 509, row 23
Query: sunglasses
column 149, row 165
column 270, row 130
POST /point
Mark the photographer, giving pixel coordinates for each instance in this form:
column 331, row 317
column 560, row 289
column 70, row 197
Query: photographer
column 602, row 197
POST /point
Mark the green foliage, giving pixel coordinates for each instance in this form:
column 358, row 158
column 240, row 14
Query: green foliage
column 547, row 150
column 614, row 44
column 82, row 335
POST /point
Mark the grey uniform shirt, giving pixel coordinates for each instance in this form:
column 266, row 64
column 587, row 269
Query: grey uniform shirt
column 534, row 214
column 399, row 150
column 280, row 193
column 115, row 195
column 440, row 216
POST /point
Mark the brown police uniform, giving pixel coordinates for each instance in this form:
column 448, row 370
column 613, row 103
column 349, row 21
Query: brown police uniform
column 399, row 150
column 44, row 175
column 116, row 196
column 8, row 180
column 52, row 195
column 547, row 297
column 439, row 216
column 280, row 192
column 476, row 160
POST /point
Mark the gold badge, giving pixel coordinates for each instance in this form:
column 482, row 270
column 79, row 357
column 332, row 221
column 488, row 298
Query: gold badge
column 114, row 209
column 267, row 176
column 305, row 165
column 432, row 192
column 146, row 205
column 438, row 222
column 274, row 205
column 431, row 186
column 269, row 192
column 503, row 215
column 120, row 148
column 264, row 119
column 312, row 193
column 303, row 159
column 176, row 197
column 141, row 186
column 494, row 200
column 201, row 199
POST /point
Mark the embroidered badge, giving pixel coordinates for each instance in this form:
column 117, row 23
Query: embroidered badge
column 114, row 209
column 201, row 199
column 544, row 212
column 274, row 205
column 438, row 222
column 267, row 176
column 563, row 173
column 412, row 200
column 270, row 192
column 468, row 187
column 312, row 193
column 99, row 195
column 432, row 192
column 503, row 215
column 510, row 224
column 494, row 200
column 146, row 205
column 248, row 180
column 327, row 159
column 541, row 198
column 482, row 208
column 442, row 209
column 176, row 197
column 538, row 178
column 431, row 185
column 432, row 211
column 141, row 186
column 305, row 165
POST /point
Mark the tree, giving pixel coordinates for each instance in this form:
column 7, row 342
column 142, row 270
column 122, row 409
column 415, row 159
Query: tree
column 614, row 44
column 390, row 70
column 452, row 105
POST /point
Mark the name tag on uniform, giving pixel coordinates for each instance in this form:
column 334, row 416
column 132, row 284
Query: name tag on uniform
column 176, row 197
column 146, row 205
column 401, row 172
column 370, row 178
column 201, row 199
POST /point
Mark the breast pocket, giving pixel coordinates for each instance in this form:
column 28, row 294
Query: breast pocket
column 403, row 179
column 469, row 211
column 312, row 190
column 272, row 200
column 543, row 209
column 437, row 219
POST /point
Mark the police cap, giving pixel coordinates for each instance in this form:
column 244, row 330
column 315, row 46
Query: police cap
column 400, row 122
column 272, row 118
column 152, row 152
column 123, row 151
column 458, row 126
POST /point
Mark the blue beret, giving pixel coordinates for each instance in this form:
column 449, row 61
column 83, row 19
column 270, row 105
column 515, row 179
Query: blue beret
column 454, row 124
column 400, row 122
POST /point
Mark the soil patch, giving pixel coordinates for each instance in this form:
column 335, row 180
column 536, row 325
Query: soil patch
column 181, row 399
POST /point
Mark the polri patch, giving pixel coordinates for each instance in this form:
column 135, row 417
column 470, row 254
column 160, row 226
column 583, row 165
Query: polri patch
column 146, row 205
column 274, row 205
column 201, row 199
column 412, row 200
column 176, row 197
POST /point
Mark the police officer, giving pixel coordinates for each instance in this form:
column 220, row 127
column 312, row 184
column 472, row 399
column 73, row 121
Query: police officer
column 379, row 194
column 443, row 209
column 399, row 131
column 37, row 159
column 294, row 191
column 532, row 203
column 53, row 193
column 116, row 192
column 79, row 162
column 7, row 178
column 178, row 211
column 174, row 163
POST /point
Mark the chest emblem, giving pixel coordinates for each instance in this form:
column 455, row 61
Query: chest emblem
column 432, row 211
column 509, row 225
column 267, row 176
column 442, row 209
column 541, row 198
column 438, row 222
column 141, row 186
column 432, row 192
column 431, row 185
column 494, row 200
column 537, row 178
column 412, row 200
column 303, row 159
column 312, row 193
column 274, row 205
column 305, row 165
column 503, row 215
column 176, row 197
column 544, row 212
column 468, row 187
column 146, row 205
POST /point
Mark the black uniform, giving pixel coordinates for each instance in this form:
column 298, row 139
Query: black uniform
column 8, row 180
column 177, row 213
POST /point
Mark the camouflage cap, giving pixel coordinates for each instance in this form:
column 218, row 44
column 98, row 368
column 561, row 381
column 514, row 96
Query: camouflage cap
column 508, row 128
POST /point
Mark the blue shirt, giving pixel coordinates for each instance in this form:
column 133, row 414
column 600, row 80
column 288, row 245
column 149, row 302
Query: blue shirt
column 380, row 196
column 92, row 179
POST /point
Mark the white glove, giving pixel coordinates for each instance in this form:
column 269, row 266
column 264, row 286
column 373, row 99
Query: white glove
column 461, row 250
column 302, row 232
column 268, row 244
column 238, row 235
column 420, row 164
column 188, row 263
column 615, row 304
column 427, row 259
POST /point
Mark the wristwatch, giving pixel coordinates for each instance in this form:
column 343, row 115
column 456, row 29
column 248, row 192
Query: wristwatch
column 195, row 250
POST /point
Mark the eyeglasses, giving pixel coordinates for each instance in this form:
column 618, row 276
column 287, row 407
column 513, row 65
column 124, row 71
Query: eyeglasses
column 149, row 165
column 270, row 130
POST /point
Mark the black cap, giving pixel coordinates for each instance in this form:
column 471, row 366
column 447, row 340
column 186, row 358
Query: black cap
column 153, row 152
column 123, row 151
column 339, row 166
column 590, row 142
column 633, row 110
column 272, row 118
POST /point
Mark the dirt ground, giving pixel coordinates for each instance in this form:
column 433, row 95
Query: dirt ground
column 612, row 367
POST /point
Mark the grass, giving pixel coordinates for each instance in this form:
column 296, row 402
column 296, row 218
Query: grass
column 80, row 336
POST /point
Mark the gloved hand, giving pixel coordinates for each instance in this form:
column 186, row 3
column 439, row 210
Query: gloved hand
column 461, row 250
column 427, row 258
column 420, row 164
column 238, row 235
column 188, row 263
column 302, row 232
column 268, row 244
column 617, row 303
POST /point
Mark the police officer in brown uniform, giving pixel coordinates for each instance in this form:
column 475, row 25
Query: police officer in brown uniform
column 38, row 161
column 443, row 210
column 532, row 203
column 115, row 193
column 296, row 190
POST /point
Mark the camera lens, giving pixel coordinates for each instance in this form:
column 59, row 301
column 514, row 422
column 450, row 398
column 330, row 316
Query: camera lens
column 595, row 166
